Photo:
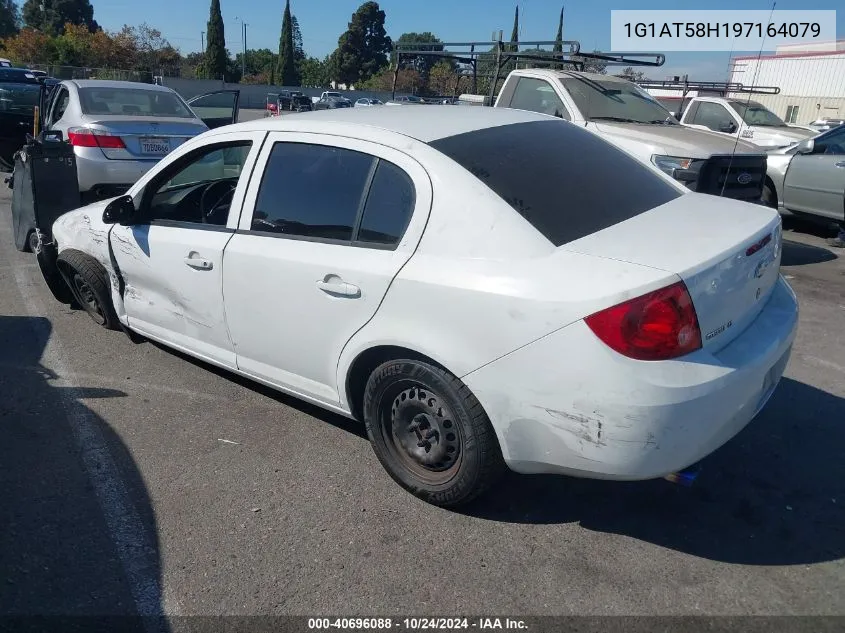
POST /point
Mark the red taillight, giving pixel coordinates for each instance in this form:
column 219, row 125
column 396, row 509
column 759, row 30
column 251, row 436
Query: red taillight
column 85, row 137
column 657, row 326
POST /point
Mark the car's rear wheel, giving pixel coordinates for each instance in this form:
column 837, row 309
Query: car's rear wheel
column 430, row 432
column 89, row 284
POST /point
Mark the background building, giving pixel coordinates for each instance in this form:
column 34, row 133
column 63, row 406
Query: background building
column 811, row 82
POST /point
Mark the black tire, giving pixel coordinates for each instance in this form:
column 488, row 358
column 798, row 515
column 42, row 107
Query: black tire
column 32, row 242
column 770, row 198
column 89, row 283
column 430, row 432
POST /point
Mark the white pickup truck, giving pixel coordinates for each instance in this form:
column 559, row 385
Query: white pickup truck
column 744, row 119
column 629, row 117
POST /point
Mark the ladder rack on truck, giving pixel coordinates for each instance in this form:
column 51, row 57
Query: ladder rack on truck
column 500, row 53
column 701, row 89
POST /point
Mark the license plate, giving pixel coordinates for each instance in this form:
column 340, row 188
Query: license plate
column 151, row 145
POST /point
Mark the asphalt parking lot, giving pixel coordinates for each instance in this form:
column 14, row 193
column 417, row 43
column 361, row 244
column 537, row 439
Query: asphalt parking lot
column 133, row 478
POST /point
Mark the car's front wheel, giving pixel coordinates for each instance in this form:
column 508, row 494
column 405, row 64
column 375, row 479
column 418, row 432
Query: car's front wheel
column 89, row 283
column 430, row 432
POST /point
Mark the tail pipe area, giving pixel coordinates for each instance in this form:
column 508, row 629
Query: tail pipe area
column 685, row 477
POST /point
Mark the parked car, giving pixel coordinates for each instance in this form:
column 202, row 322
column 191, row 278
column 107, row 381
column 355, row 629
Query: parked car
column 20, row 91
column 294, row 101
column 409, row 100
column 471, row 291
column 823, row 125
column 367, row 102
column 808, row 178
column 741, row 118
column 332, row 101
column 626, row 115
column 120, row 129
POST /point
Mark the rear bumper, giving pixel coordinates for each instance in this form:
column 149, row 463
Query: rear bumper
column 94, row 169
column 568, row 404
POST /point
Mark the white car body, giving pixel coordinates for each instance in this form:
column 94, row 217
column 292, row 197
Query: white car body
column 475, row 288
column 768, row 137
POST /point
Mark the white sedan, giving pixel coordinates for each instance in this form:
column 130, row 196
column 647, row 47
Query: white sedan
column 480, row 287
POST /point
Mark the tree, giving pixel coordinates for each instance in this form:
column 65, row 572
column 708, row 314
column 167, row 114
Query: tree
column 407, row 80
column 316, row 72
column 632, row 75
column 592, row 65
column 557, row 49
column 515, row 33
column 50, row 16
column 362, row 51
column 298, row 47
column 10, row 19
column 424, row 42
column 442, row 79
column 30, row 47
column 286, row 70
column 216, row 59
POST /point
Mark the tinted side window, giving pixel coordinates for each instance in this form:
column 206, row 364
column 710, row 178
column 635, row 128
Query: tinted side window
column 390, row 204
column 712, row 115
column 537, row 95
column 567, row 182
column 312, row 191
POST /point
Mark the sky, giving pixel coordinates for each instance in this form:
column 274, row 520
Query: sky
column 322, row 22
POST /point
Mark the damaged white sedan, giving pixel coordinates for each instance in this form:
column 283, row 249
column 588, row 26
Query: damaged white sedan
column 481, row 287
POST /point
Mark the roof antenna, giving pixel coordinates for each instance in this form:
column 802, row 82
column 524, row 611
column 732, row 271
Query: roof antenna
column 748, row 101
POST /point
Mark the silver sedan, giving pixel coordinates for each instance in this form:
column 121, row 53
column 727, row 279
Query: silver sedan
column 120, row 129
column 808, row 178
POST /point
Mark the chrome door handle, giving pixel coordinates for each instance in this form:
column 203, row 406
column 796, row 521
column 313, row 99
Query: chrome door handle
column 200, row 263
column 839, row 164
column 336, row 286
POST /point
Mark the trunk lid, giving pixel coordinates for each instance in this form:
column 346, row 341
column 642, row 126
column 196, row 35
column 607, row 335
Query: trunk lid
column 727, row 252
column 146, row 138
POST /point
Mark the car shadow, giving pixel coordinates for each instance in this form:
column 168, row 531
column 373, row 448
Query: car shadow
column 799, row 254
column 774, row 495
column 335, row 419
column 61, row 566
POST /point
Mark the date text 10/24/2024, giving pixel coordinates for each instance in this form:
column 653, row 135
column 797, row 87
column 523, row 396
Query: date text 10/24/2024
column 416, row 624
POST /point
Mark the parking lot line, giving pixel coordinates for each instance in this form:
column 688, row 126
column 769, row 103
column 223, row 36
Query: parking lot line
column 127, row 532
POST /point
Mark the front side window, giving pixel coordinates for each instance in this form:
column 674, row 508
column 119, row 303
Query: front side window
column 713, row 116
column 754, row 113
column 833, row 142
column 547, row 172
column 199, row 188
column 537, row 95
column 608, row 100
column 137, row 101
column 332, row 193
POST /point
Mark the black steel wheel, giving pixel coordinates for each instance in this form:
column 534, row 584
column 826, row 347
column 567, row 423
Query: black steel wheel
column 90, row 286
column 430, row 433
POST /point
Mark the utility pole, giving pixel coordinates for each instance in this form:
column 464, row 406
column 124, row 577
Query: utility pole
column 202, row 39
column 243, row 61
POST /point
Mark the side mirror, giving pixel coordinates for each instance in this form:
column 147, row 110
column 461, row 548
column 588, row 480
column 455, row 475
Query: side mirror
column 807, row 146
column 51, row 136
column 728, row 127
column 120, row 211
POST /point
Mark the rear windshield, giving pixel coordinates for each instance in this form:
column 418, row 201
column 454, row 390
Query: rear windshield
column 18, row 98
column 133, row 101
column 567, row 182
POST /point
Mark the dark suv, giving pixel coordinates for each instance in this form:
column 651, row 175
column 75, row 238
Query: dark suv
column 294, row 101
